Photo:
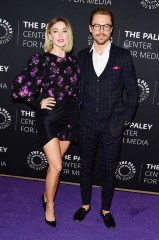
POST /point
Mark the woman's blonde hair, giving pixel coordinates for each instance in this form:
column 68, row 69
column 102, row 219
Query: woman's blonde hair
column 48, row 44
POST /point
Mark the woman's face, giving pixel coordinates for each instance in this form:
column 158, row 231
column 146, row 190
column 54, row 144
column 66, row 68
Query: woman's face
column 59, row 35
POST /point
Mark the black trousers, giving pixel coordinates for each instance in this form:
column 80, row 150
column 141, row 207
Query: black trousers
column 110, row 147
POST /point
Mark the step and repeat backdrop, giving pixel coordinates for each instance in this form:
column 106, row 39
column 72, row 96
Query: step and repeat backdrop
column 22, row 27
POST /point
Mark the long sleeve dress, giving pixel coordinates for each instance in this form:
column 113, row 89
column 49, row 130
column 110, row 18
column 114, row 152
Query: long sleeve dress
column 59, row 78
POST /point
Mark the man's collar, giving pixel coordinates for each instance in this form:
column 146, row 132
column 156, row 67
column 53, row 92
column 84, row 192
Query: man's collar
column 107, row 49
column 92, row 48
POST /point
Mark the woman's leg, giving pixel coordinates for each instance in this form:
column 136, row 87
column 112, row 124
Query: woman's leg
column 64, row 145
column 54, row 151
column 53, row 155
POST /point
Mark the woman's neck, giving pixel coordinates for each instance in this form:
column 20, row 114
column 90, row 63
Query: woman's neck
column 58, row 52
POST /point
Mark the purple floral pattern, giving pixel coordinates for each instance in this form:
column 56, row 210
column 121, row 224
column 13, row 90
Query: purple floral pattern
column 66, row 134
column 58, row 77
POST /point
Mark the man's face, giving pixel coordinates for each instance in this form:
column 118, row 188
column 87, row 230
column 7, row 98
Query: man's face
column 101, row 34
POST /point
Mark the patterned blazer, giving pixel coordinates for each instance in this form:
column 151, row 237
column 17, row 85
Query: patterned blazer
column 122, row 86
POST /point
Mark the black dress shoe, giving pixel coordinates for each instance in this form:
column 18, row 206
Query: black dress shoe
column 80, row 214
column 108, row 220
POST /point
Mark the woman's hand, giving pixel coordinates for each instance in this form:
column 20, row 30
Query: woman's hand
column 47, row 103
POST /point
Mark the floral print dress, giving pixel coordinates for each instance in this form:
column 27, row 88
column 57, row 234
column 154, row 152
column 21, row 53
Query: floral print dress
column 56, row 77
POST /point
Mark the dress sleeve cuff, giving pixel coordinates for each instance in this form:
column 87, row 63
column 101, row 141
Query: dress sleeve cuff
column 35, row 104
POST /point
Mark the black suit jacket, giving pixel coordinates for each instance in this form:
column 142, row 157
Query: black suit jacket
column 122, row 86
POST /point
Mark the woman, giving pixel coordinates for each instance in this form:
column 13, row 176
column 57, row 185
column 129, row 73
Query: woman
column 56, row 71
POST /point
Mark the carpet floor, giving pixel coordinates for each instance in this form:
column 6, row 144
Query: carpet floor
column 22, row 216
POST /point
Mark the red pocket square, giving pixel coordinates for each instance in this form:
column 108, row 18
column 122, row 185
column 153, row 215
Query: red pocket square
column 116, row 68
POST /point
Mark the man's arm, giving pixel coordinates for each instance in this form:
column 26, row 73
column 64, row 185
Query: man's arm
column 131, row 88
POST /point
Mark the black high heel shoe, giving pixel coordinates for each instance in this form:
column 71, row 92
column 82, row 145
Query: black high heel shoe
column 50, row 223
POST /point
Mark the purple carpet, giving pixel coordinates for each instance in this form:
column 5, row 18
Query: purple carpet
column 22, row 216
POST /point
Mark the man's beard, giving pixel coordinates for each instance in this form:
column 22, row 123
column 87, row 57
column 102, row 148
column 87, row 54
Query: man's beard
column 102, row 41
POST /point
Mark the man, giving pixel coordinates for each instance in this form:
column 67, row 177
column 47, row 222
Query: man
column 109, row 96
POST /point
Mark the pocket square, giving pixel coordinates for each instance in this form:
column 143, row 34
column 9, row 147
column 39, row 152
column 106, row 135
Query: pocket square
column 116, row 68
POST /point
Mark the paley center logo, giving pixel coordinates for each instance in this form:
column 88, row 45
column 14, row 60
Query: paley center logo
column 5, row 118
column 6, row 31
column 150, row 4
column 37, row 160
column 125, row 171
column 143, row 90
